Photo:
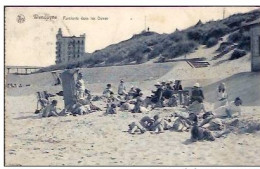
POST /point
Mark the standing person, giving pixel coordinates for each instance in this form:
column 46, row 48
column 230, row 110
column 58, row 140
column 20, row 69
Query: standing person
column 80, row 87
column 221, row 96
column 197, row 93
column 122, row 88
column 177, row 85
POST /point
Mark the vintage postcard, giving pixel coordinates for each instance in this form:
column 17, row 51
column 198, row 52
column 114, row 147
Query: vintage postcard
column 132, row 86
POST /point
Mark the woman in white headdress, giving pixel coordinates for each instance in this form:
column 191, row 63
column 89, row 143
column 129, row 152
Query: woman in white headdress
column 221, row 96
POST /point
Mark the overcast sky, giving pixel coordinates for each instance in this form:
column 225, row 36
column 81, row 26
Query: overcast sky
column 33, row 41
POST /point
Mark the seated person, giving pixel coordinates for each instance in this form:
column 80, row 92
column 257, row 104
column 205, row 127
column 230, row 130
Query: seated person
column 142, row 126
column 157, row 125
column 125, row 105
column 221, row 96
column 112, row 98
column 131, row 93
column 229, row 110
column 196, row 107
column 138, row 104
column 111, row 109
column 168, row 86
column 88, row 94
column 183, row 124
column 79, row 109
column 135, row 127
column 157, row 97
column 168, row 94
column 137, row 93
column 50, row 110
column 122, row 88
column 211, row 123
column 107, row 91
column 199, row 133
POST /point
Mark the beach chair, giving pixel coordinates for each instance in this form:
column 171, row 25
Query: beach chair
column 43, row 100
column 56, row 78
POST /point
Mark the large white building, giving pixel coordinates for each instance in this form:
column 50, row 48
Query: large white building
column 69, row 48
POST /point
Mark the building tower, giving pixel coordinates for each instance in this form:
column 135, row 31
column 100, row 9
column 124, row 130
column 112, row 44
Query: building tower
column 58, row 46
column 69, row 48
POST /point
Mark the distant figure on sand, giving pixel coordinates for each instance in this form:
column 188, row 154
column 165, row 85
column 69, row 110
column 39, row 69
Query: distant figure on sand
column 221, row 96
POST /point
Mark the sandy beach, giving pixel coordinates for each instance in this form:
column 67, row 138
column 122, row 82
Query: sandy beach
column 98, row 140
column 95, row 139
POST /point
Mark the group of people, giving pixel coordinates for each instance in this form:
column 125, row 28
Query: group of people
column 166, row 94
column 200, row 122
column 82, row 103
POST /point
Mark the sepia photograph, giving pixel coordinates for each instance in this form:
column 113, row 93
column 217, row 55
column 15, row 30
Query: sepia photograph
column 131, row 86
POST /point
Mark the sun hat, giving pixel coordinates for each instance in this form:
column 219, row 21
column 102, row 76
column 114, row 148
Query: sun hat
column 196, row 85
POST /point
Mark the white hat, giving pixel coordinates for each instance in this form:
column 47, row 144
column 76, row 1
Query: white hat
column 157, row 84
column 196, row 85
